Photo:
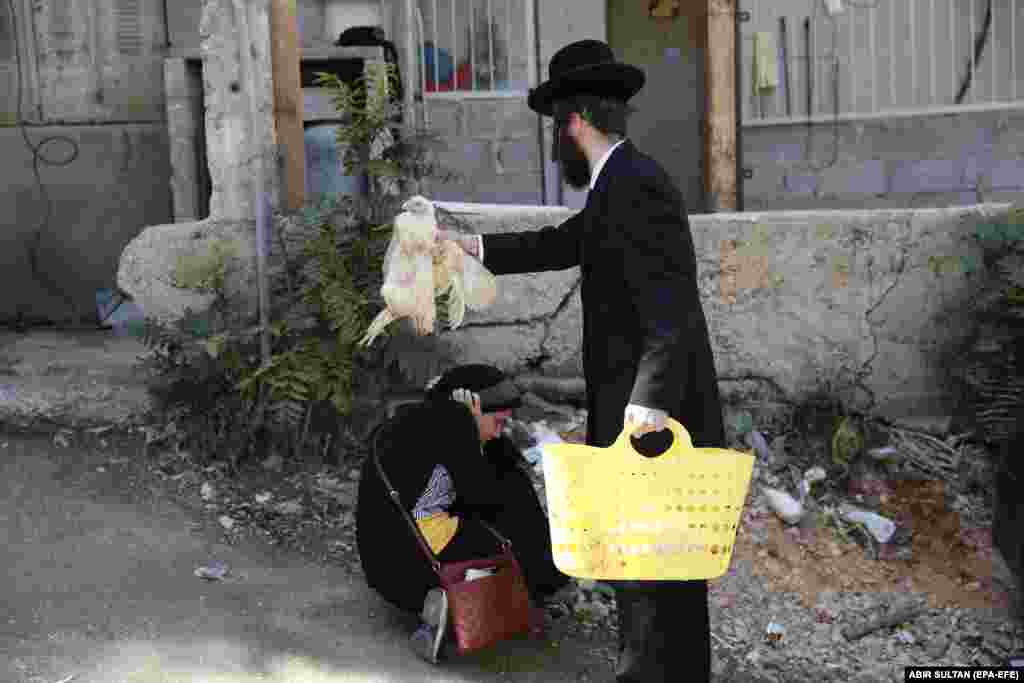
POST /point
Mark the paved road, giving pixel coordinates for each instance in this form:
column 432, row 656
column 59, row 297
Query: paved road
column 100, row 584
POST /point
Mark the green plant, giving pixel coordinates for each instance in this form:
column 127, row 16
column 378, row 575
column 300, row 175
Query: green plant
column 207, row 369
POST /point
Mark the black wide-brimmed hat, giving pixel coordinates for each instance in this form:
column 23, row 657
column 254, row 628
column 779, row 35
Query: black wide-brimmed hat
column 496, row 390
column 586, row 67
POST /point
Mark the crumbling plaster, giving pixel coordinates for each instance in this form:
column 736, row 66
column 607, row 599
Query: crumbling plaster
column 861, row 304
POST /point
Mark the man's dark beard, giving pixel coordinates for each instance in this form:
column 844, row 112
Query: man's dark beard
column 575, row 167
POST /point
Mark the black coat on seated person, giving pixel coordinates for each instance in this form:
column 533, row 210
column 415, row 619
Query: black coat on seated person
column 489, row 486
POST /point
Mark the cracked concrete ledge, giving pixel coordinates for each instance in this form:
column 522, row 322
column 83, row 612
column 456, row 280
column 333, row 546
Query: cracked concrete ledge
column 861, row 305
column 798, row 302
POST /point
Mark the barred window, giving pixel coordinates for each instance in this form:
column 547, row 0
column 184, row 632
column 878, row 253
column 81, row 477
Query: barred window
column 475, row 46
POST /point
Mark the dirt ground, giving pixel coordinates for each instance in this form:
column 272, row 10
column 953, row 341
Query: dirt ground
column 101, row 586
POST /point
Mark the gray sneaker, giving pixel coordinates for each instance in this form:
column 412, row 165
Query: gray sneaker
column 428, row 638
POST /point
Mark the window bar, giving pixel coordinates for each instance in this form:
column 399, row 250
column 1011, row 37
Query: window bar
column 912, row 24
column 970, row 54
column 437, row 51
column 952, row 49
column 874, row 59
column 932, row 99
column 455, row 53
column 531, row 43
column 992, row 96
column 892, row 55
column 508, row 44
column 853, row 62
column 1013, row 51
column 490, row 42
column 472, row 41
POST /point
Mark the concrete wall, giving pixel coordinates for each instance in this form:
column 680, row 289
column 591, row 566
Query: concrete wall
column 117, row 185
column 92, row 73
column 863, row 304
column 941, row 160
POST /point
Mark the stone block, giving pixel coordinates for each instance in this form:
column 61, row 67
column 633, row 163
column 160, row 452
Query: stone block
column 799, row 184
column 511, row 188
column 517, row 156
column 928, row 175
column 1007, row 174
column 864, row 178
column 447, row 119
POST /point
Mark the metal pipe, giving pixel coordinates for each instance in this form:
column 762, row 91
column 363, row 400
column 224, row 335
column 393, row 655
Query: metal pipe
column 851, row 19
column 970, row 49
column 784, row 36
column 952, row 47
column 437, row 51
column 810, row 70
column 874, row 58
column 931, row 62
column 490, row 42
column 911, row 11
column 892, row 55
column 738, row 40
column 472, row 42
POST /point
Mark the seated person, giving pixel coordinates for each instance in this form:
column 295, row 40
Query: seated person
column 451, row 466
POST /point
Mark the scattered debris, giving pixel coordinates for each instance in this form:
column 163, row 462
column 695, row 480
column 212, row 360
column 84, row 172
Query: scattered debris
column 227, row 522
column 214, row 571
column 784, row 505
column 207, row 492
column 899, row 615
column 264, row 497
column 880, row 527
column 273, row 463
column 906, row 637
column 757, row 441
column 289, row 507
column 542, row 436
column 774, row 632
column 62, row 439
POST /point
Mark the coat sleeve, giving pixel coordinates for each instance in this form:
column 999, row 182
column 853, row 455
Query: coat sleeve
column 660, row 284
column 473, row 477
column 550, row 248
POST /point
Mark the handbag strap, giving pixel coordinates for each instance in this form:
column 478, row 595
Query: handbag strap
column 397, row 499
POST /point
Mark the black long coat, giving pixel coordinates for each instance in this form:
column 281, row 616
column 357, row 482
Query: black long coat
column 645, row 337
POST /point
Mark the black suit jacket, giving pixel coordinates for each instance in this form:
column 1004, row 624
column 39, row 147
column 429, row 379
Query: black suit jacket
column 645, row 337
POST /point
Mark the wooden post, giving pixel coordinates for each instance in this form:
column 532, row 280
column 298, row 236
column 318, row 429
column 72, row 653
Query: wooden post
column 720, row 112
column 285, row 53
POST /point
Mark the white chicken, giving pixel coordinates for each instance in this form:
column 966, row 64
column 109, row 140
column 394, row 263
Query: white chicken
column 417, row 270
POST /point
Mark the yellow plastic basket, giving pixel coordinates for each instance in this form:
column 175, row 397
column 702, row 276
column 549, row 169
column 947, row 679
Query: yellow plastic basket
column 617, row 515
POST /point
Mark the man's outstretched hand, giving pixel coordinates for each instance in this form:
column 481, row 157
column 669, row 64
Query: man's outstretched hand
column 645, row 419
column 468, row 243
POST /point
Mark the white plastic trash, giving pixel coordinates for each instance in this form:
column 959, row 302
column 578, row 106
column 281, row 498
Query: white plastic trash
column 880, row 527
column 542, row 436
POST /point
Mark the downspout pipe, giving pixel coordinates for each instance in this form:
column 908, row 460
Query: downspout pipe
column 738, row 51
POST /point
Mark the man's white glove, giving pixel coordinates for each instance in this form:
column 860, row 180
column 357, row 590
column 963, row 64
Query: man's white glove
column 644, row 419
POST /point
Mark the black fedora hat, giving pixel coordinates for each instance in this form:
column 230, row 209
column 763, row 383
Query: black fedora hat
column 585, row 67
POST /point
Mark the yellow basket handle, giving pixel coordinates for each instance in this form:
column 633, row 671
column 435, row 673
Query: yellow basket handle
column 679, row 436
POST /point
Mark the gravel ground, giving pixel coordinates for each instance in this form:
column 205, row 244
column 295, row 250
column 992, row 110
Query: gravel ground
column 767, row 624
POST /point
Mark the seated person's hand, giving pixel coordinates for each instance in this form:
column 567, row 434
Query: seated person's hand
column 469, row 399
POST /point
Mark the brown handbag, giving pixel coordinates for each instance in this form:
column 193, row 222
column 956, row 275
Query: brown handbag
column 485, row 610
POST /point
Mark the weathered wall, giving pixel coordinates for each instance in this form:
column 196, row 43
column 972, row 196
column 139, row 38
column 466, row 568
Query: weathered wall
column 861, row 303
column 90, row 71
column 939, row 161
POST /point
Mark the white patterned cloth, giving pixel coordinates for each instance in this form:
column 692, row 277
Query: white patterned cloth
column 438, row 496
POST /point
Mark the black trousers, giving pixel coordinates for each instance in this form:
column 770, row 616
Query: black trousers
column 664, row 632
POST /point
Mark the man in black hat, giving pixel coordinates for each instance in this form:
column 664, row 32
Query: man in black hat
column 646, row 350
